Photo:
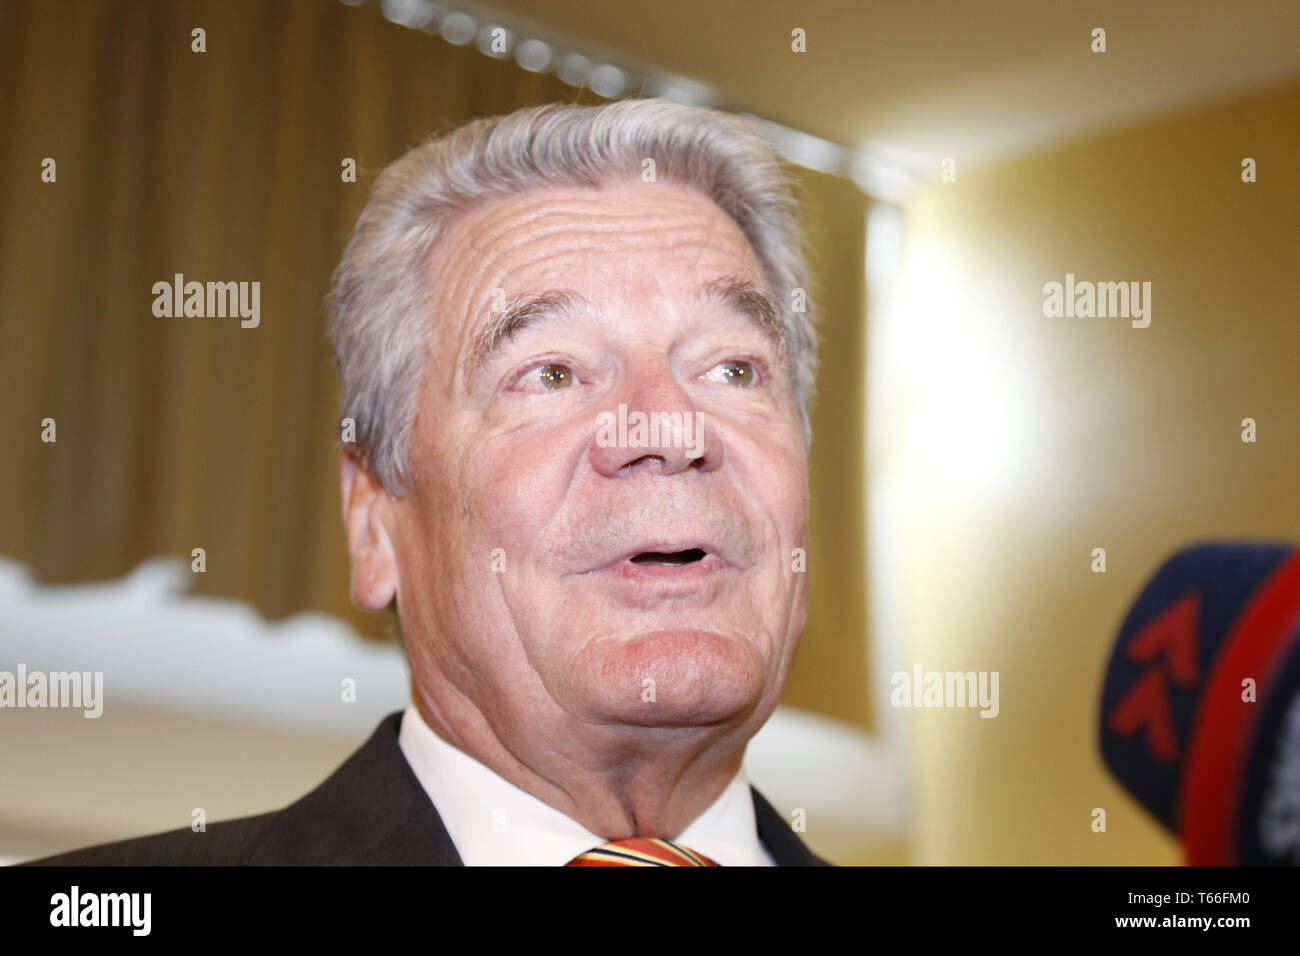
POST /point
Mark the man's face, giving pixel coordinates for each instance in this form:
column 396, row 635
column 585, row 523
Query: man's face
column 549, row 573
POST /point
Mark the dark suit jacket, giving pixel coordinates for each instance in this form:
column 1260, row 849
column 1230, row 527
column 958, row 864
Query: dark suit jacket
column 371, row 811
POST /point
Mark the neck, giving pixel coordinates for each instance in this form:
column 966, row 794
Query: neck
column 617, row 781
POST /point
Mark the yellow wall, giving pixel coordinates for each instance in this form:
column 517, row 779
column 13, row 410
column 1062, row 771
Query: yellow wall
column 1024, row 442
column 831, row 673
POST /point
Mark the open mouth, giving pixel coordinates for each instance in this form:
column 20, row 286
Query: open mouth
column 673, row 559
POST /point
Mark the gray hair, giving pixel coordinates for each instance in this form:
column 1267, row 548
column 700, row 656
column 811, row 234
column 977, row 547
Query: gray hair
column 380, row 301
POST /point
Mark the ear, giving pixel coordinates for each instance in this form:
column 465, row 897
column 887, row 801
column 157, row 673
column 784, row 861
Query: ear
column 366, row 505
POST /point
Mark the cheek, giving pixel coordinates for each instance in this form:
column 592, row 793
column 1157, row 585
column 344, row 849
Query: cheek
column 521, row 485
column 795, row 502
column 775, row 477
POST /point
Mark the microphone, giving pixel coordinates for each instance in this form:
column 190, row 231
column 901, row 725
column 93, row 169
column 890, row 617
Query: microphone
column 1200, row 711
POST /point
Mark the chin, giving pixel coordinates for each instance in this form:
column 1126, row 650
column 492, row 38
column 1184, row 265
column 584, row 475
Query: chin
column 681, row 677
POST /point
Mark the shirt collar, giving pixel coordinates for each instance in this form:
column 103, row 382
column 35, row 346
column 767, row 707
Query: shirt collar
column 494, row 823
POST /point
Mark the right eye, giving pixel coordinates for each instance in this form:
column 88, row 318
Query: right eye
column 547, row 377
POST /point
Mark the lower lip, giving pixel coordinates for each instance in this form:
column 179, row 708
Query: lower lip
column 665, row 573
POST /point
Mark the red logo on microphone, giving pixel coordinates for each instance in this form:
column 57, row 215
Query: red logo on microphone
column 1168, row 644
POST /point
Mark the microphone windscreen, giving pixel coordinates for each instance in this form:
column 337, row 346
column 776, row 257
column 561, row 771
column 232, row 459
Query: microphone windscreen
column 1174, row 712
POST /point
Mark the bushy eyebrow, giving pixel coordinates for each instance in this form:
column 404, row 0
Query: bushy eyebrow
column 752, row 300
column 732, row 291
column 505, row 325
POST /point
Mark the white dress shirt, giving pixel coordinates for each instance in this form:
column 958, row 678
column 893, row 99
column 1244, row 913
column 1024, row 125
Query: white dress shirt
column 494, row 823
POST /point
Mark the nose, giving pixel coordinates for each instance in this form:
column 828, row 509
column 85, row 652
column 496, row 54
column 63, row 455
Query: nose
column 651, row 424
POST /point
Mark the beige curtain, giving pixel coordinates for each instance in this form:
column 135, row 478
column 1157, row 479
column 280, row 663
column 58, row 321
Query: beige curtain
column 175, row 434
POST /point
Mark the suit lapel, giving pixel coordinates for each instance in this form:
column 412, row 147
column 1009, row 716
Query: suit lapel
column 372, row 811
column 780, row 840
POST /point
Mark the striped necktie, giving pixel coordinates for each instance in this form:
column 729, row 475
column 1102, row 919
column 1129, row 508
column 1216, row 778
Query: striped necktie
column 641, row 851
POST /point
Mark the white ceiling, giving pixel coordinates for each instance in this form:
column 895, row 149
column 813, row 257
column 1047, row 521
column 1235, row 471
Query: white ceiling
column 928, row 79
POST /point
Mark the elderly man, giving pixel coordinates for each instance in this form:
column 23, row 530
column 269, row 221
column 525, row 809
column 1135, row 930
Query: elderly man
column 578, row 385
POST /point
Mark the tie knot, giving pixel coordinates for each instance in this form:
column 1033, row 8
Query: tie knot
column 641, row 851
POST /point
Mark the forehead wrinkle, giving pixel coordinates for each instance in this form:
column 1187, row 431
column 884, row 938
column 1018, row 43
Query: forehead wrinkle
column 527, row 213
column 595, row 215
column 525, row 216
column 499, row 329
column 565, row 239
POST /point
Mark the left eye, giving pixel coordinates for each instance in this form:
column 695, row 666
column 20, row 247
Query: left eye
column 733, row 373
